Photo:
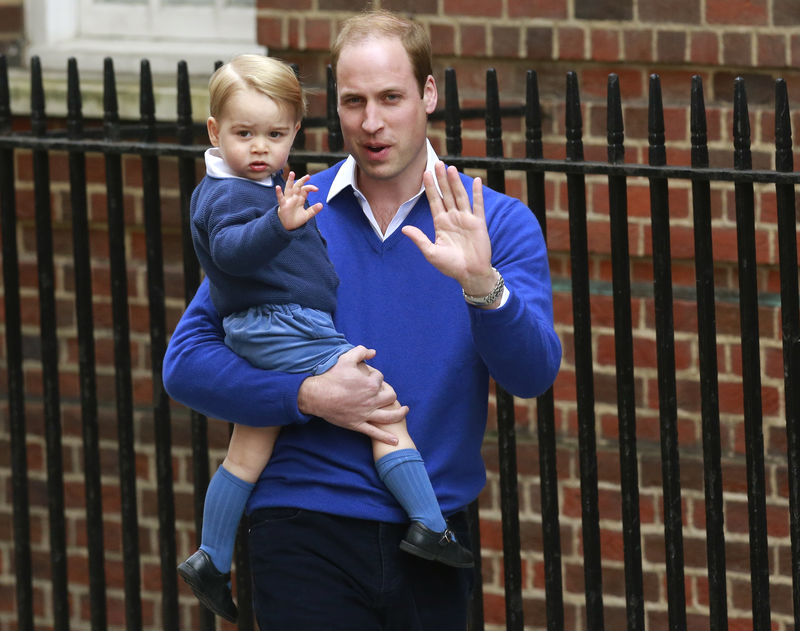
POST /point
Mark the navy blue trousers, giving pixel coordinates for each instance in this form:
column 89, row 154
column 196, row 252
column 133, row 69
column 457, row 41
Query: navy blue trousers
column 319, row 572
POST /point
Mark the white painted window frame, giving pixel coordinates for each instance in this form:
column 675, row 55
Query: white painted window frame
column 90, row 32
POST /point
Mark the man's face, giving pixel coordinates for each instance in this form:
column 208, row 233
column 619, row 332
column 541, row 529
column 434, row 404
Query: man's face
column 382, row 114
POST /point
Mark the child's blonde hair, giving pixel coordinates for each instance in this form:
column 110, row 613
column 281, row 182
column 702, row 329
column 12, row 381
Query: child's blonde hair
column 270, row 76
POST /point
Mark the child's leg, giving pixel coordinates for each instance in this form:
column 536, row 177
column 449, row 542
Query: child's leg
column 248, row 453
column 403, row 472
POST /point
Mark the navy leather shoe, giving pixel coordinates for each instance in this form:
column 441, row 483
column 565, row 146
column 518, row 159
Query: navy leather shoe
column 436, row 546
column 211, row 586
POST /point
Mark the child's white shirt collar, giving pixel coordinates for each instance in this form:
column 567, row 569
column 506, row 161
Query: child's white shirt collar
column 216, row 167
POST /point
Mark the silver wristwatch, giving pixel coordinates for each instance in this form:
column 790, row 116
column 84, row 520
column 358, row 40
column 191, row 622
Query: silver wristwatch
column 481, row 301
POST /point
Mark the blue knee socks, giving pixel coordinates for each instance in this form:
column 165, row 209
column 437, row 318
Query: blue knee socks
column 403, row 472
column 226, row 498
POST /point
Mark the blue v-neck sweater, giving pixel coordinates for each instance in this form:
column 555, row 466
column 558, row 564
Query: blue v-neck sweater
column 434, row 349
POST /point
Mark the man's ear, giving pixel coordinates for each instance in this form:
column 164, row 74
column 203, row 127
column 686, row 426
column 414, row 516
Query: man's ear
column 430, row 95
column 213, row 131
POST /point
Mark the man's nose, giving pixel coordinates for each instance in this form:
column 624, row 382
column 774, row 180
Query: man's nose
column 372, row 120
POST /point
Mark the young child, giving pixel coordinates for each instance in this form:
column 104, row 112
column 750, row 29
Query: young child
column 274, row 285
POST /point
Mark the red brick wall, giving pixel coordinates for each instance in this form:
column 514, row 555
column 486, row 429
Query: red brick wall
column 755, row 38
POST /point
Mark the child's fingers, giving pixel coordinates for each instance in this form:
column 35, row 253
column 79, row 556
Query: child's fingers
column 313, row 210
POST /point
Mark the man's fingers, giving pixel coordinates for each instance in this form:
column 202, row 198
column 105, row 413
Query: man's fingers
column 358, row 354
column 457, row 189
column 376, row 433
column 419, row 238
column 477, row 198
column 448, row 202
column 432, row 193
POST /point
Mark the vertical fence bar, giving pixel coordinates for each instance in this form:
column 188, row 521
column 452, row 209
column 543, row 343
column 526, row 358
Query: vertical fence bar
column 16, row 377
column 81, row 256
column 452, row 114
column 158, row 346
column 582, row 332
column 790, row 308
column 191, row 280
column 545, row 409
column 122, row 353
column 49, row 340
column 665, row 349
column 335, row 139
column 707, row 350
column 623, row 346
column 301, row 168
column 186, row 181
column 751, row 372
column 506, row 434
column 794, row 448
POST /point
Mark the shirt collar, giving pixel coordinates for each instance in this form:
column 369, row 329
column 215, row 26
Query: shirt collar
column 346, row 175
column 216, row 167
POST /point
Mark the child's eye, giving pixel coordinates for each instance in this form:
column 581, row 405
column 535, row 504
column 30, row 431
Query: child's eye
column 244, row 133
column 276, row 134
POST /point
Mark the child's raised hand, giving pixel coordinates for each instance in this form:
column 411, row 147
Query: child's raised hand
column 291, row 202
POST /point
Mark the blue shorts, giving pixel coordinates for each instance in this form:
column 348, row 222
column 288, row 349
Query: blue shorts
column 289, row 338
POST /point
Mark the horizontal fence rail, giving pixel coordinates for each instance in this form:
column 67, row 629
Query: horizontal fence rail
column 108, row 352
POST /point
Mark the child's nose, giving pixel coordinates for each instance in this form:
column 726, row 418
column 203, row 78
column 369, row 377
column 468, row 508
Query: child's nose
column 259, row 145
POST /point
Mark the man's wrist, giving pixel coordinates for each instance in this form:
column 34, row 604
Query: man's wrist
column 489, row 297
column 305, row 396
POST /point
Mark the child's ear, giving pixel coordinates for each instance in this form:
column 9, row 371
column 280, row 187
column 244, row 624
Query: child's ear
column 213, row 131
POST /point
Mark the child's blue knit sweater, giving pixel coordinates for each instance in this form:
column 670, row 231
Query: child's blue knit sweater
column 247, row 254
column 433, row 348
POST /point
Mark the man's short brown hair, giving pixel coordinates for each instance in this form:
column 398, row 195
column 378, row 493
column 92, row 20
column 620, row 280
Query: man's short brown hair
column 382, row 23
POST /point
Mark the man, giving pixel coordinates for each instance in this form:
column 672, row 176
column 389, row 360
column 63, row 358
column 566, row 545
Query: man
column 448, row 282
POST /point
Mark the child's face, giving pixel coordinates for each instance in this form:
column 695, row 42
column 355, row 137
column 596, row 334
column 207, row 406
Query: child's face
column 254, row 134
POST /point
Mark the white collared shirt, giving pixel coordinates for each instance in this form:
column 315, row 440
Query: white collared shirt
column 218, row 168
column 347, row 177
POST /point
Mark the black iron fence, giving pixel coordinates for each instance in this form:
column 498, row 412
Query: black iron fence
column 149, row 142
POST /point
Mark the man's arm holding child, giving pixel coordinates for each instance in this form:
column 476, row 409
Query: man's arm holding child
column 201, row 372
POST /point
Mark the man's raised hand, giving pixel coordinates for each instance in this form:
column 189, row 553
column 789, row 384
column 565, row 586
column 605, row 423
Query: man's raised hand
column 461, row 248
